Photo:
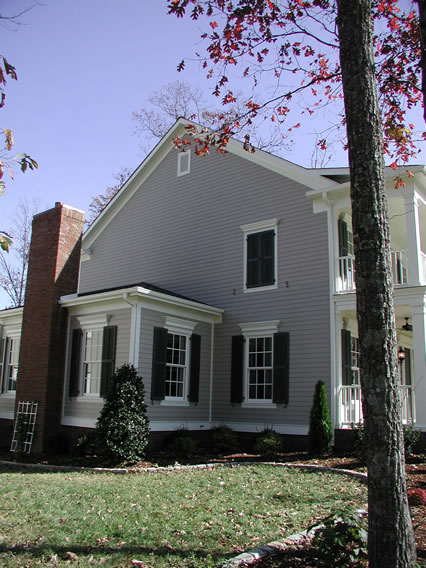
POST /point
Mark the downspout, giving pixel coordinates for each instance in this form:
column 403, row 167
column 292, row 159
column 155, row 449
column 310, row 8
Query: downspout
column 135, row 326
column 211, row 374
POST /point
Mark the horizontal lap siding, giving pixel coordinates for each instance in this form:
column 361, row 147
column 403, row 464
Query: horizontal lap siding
column 183, row 234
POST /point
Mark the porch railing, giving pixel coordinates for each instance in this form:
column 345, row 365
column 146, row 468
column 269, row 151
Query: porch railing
column 350, row 406
column 346, row 270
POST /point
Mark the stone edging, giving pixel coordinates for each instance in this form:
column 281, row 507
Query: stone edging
column 246, row 558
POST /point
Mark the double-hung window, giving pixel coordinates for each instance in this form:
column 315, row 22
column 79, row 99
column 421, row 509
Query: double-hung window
column 9, row 363
column 92, row 360
column 176, row 370
column 175, row 362
column 259, row 369
column 260, row 255
column 260, row 365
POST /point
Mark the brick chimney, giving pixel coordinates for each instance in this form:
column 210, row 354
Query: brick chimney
column 52, row 272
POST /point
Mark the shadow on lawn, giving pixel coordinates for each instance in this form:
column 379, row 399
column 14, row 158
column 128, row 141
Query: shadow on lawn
column 40, row 550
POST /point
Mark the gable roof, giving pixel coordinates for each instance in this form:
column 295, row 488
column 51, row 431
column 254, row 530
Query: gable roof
column 308, row 177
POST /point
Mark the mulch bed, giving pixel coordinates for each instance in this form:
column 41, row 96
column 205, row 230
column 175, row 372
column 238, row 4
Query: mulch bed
column 415, row 470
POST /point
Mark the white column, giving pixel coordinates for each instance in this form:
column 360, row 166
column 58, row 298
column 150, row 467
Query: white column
column 415, row 269
column 419, row 345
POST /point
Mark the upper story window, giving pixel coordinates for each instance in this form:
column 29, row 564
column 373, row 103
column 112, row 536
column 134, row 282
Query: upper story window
column 9, row 361
column 184, row 163
column 260, row 255
column 92, row 356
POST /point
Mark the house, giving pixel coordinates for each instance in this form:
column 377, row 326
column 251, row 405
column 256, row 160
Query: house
column 228, row 281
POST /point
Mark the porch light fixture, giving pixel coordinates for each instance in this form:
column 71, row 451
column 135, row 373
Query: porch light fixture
column 401, row 355
column 407, row 326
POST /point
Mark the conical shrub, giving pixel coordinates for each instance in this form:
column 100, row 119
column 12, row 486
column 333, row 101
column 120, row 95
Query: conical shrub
column 320, row 428
column 123, row 425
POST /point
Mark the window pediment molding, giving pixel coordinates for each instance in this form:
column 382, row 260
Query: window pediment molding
column 257, row 328
column 93, row 321
column 179, row 326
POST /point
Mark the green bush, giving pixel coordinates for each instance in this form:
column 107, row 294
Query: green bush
column 359, row 442
column 268, row 444
column 223, row 440
column 341, row 541
column 87, row 444
column 123, row 426
column 320, row 429
column 181, row 443
column 411, row 437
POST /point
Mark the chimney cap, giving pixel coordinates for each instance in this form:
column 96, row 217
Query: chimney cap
column 58, row 204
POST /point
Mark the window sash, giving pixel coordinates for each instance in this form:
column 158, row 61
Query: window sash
column 12, row 363
column 260, row 369
column 176, row 366
column 92, row 361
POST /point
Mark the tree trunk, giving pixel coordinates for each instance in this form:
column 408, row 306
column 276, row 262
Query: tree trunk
column 422, row 18
column 391, row 538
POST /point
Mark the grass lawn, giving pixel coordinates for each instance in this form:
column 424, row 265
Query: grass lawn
column 189, row 518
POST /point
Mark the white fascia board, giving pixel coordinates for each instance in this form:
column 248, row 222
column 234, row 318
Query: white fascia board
column 336, row 191
column 147, row 299
column 309, row 178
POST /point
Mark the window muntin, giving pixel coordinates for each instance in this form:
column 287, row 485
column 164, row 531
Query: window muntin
column 259, row 369
column 176, row 365
column 92, row 361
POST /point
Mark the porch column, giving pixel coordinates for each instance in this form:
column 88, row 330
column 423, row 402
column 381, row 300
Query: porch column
column 415, row 267
column 419, row 344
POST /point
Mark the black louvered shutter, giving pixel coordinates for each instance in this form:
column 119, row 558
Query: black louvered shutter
column 159, row 360
column 237, row 369
column 347, row 376
column 194, row 374
column 343, row 237
column 74, row 383
column 407, row 363
column 260, row 259
column 108, row 358
column 281, row 375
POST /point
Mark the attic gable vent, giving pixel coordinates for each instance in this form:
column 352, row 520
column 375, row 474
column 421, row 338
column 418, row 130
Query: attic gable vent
column 184, row 163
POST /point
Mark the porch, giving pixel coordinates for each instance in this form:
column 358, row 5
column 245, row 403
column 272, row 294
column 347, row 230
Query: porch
column 401, row 276
column 350, row 407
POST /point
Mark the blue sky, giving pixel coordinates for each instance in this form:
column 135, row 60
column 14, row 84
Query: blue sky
column 83, row 66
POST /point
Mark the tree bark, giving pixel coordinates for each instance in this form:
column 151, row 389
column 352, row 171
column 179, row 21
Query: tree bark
column 422, row 19
column 391, row 538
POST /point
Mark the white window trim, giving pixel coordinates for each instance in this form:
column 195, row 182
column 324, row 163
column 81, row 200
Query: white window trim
column 258, row 227
column 13, row 333
column 180, row 327
column 181, row 163
column 257, row 329
column 93, row 322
